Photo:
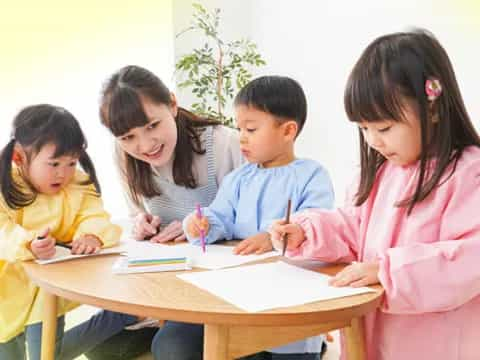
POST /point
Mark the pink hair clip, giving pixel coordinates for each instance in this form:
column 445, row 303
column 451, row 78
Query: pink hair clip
column 433, row 89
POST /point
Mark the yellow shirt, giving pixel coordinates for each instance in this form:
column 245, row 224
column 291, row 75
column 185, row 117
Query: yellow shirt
column 74, row 211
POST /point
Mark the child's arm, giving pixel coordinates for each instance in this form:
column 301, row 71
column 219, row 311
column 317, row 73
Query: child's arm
column 220, row 215
column 92, row 219
column 14, row 239
column 318, row 191
column 434, row 275
column 327, row 235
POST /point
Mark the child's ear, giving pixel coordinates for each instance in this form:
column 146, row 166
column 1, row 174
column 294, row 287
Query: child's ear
column 291, row 129
column 19, row 157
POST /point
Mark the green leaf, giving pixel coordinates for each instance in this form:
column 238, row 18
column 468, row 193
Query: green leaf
column 199, row 70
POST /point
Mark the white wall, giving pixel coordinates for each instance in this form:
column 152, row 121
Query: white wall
column 61, row 53
column 317, row 43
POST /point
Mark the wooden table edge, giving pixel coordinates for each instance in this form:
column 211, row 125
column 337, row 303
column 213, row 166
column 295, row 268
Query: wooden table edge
column 226, row 318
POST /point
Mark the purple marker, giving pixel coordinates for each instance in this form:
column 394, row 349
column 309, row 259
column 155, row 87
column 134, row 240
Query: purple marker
column 202, row 232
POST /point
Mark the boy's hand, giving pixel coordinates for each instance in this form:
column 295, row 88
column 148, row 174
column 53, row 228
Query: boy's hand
column 257, row 244
column 294, row 233
column 356, row 275
column 172, row 231
column 196, row 224
column 86, row 244
column 145, row 226
column 43, row 247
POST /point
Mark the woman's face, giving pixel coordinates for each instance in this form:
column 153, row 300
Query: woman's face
column 154, row 142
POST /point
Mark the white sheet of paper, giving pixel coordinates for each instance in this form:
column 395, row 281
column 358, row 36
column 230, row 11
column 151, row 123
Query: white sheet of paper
column 221, row 256
column 268, row 286
column 64, row 254
column 215, row 257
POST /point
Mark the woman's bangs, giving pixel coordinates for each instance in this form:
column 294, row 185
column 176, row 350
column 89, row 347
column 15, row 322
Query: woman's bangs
column 125, row 111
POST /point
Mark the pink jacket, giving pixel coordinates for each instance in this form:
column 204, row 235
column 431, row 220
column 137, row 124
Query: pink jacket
column 429, row 261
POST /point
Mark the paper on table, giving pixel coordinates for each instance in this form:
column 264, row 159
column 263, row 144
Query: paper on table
column 268, row 286
column 221, row 256
column 215, row 257
column 64, row 254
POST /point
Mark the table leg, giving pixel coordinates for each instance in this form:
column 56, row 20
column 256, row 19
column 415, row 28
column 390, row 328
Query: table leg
column 354, row 339
column 49, row 326
column 215, row 345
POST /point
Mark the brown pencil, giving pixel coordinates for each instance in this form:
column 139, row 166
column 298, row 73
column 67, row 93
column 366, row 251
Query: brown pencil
column 287, row 221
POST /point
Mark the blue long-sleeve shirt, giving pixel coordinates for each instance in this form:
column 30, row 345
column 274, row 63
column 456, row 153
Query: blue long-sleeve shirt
column 250, row 198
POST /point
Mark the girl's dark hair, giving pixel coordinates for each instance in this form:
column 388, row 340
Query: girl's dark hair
column 34, row 127
column 393, row 69
column 121, row 110
column 277, row 95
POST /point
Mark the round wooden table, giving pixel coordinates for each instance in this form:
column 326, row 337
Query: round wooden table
column 229, row 332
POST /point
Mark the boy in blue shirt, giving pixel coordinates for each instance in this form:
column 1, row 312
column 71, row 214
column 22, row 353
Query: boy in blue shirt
column 270, row 113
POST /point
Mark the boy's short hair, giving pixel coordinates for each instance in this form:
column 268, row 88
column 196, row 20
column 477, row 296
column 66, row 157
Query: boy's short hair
column 280, row 96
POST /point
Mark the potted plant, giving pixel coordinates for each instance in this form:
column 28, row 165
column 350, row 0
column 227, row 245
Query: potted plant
column 217, row 70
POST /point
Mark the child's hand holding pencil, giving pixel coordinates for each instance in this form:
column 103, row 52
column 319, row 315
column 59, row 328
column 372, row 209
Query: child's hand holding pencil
column 43, row 246
column 196, row 224
column 280, row 231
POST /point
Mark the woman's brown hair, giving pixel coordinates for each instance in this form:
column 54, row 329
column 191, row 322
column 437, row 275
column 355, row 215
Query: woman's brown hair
column 121, row 110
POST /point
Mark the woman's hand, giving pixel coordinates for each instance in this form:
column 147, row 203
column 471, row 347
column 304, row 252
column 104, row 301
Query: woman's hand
column 145, row 226
column 86, row 244
column 172, row 231
column 292, row 233
column 43, row 247
column 356, row 275
column 257, row 244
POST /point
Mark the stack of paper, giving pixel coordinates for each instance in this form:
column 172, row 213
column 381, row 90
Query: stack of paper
column 149, row 257
column 146, row 257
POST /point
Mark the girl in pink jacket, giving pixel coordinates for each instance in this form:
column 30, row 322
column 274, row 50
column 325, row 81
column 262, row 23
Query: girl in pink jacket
column 412, row 224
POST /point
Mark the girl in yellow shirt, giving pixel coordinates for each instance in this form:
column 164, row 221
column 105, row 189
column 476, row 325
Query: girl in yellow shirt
column 45, row 199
